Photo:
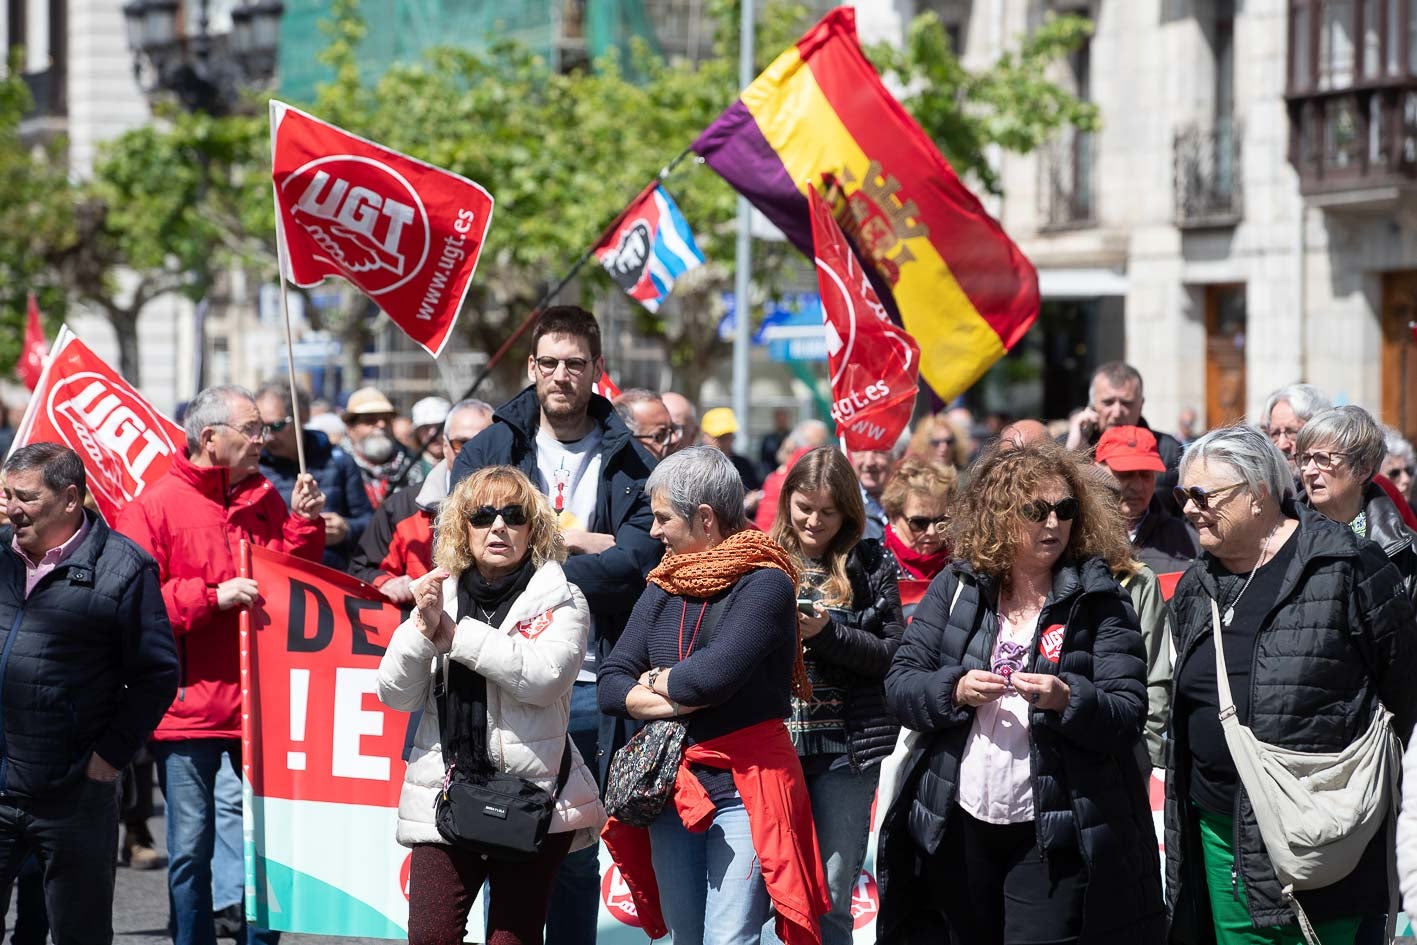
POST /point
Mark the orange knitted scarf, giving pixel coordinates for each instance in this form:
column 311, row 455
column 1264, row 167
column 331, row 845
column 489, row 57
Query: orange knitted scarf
column 706, row 573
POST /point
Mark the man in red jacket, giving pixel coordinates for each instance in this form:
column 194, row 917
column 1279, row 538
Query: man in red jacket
column 192, row 521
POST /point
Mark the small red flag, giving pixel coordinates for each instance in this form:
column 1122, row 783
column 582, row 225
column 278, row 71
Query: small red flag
column 36, row 348
column 605, row 387
column 875, row 364
column 405, row 233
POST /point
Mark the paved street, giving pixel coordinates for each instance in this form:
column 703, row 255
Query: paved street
column 140, row 907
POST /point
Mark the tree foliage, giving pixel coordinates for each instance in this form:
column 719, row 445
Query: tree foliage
column 184, row 199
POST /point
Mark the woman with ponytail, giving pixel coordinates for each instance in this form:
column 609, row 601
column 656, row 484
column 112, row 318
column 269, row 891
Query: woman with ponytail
column 850, row 622
column 713, row 642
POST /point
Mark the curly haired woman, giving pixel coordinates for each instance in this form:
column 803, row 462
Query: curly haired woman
column 1024, row 668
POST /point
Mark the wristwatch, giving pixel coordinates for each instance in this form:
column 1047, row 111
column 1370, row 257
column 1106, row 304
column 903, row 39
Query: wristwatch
column 653, row 678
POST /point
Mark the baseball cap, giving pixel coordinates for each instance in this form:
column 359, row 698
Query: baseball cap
column 720, row 421
column 367, row 400
column 430, row 411
column 1129, row 449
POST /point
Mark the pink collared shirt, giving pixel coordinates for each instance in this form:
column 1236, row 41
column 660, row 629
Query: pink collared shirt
column 34, row 573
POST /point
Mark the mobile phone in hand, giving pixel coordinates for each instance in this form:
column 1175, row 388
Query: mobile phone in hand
column 807, row 608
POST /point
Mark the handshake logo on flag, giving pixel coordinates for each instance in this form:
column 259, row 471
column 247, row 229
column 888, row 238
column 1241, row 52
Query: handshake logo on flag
column 358, row 227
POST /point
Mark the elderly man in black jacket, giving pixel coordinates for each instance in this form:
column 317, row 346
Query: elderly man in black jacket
column 87, row 669
column 571, row 442
column 1164, row 542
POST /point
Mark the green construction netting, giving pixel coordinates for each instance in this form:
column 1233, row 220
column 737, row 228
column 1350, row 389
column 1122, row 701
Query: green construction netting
column 563, row 32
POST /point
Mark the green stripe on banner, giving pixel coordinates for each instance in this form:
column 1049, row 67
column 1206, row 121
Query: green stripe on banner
column 297, row 902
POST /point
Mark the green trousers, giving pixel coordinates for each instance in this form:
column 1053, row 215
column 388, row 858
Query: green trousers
column 1227, row 904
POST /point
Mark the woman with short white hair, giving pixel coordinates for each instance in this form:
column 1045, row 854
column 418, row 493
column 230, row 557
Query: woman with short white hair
column 1316, row 633
column 1339, row 452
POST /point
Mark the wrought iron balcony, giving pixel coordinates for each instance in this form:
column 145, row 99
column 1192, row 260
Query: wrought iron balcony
column 1208, row 178
column 1066, row 199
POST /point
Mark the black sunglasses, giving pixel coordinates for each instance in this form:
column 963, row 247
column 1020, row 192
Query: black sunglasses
column 1199, row 496
column 483, row 516
column 922, row 523
column 1038, row 510
column 275, row 426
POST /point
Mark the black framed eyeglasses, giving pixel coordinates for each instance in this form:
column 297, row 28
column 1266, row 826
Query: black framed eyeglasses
column 923, row 523
column 574, row 366
column 1038, row 510
column 484, row 516
column 1201, row 497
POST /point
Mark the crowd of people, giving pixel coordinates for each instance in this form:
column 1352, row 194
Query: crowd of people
column 994, row 639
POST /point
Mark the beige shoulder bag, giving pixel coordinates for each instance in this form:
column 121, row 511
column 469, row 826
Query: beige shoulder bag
column 1317, row 811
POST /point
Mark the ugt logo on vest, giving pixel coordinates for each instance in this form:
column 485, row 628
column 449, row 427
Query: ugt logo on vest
column 405, row 233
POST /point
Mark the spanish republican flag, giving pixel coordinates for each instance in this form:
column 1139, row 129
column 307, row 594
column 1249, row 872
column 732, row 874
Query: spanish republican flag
column 820, row 116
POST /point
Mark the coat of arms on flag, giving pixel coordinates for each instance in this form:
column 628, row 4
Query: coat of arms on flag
column 649, row 248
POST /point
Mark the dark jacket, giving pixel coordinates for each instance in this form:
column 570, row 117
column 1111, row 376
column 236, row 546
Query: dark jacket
column 384, row 526
column 338, row 477
column 1338, row 638
column 87, row 662
column 1088, row 791
column 1387, row 529
column 1165, row 542
column 612, row 580
column 855, row 648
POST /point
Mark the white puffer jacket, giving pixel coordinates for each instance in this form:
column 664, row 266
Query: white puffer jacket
column 530, row 664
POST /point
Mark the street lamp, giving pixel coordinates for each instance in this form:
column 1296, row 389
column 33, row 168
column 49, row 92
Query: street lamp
column 205, row 72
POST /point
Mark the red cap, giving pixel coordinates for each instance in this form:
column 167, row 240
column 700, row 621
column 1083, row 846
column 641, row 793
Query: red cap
column 1129, row 449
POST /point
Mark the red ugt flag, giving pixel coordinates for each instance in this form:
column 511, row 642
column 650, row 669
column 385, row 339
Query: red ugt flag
column 405, row 233
column 875, row 364
column 125, row 443
column 31, row 364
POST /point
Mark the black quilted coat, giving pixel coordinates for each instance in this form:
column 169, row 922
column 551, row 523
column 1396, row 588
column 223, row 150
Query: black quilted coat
column 1088, row 791
column 856, row 646
column 1339, row 637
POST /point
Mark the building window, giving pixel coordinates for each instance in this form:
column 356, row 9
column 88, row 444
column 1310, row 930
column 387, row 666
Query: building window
column 1336, row 45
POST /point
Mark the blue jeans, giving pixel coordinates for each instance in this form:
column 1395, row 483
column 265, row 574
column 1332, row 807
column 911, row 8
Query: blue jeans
column 228, row 857
column 710, row 884
column 188, row 773
column 575, row 897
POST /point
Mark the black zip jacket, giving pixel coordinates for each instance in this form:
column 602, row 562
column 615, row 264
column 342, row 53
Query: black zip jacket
column 1339, row 637
column 1088, row 792
column 87, row 662
column 855, row 649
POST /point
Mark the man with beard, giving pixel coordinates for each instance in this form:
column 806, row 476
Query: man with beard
column 383, row 461
column 572, row 443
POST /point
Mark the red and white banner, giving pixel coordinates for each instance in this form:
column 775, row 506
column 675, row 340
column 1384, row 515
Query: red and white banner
column 875, row 364
column 405, row 233
column 125, row 442
column 31, row 363
column 605, row 387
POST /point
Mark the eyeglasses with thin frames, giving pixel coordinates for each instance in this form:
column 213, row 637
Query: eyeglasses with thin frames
column 1324, row 460
column 662, row 438
column 251, row 433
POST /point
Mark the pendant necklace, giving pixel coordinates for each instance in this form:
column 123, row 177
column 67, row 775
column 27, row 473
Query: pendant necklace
column 1230, row 610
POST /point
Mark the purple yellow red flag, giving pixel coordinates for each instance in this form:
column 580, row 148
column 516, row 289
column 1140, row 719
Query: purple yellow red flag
column 820, row 116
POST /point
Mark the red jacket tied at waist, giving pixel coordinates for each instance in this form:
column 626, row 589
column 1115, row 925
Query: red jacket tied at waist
column 192, row 522
column 769, row 778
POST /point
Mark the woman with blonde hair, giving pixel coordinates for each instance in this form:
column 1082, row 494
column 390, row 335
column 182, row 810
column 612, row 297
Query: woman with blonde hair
column 1024, row 670
column 850, row 623
column 493, row 646
column 936, row 439
column 917, row 504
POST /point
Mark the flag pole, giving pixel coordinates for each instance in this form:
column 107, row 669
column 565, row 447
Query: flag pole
column 743, row 255
column 289, row 345
column 576, row 267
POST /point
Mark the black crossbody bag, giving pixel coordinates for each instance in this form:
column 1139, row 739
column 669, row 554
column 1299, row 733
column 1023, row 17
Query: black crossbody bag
column 501, row 816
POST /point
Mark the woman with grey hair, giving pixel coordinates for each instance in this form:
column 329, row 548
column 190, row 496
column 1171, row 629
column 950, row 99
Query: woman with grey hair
column 1339, row 452
column 713, row 643
column 1285, row 413
column 1316, row 633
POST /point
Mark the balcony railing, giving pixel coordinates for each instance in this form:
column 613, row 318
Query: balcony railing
column 1208, row 178
column 1066, row 198
column 1356, row 139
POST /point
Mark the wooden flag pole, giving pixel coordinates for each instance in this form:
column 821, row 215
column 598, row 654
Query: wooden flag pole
column 289, row 346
